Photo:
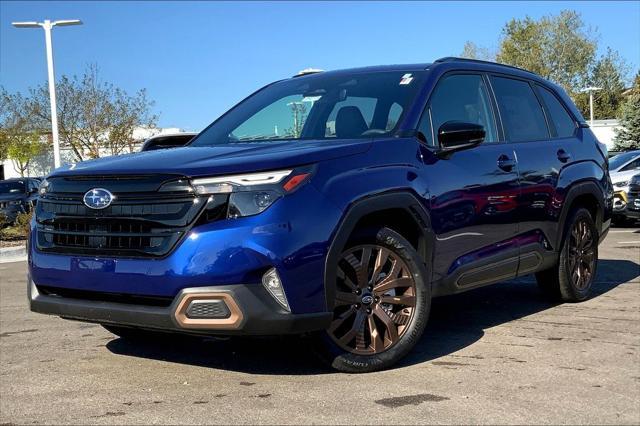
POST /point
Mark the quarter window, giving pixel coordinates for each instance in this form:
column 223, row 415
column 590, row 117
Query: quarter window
column 563, row 124
column 459, row 97
column 520, row 110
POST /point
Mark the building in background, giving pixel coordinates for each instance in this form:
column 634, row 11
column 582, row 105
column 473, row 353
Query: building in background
column 42, row 165
column 605, row 131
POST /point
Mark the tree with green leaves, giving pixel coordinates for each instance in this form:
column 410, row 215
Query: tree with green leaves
column 559, row 48
column 628, row 136
column 94, row 117
column 20, row 140
column 23, row 148
column 608, row 73
column 473, row 51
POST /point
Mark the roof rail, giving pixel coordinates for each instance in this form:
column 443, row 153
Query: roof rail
column 479, row 61
column 307, row 71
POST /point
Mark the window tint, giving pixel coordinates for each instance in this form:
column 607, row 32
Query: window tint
column 520, row 110
column 634, row 165
column 459, row 98
column 394, row 116
column 320, row 106
column 563, row 124
column 366, row 106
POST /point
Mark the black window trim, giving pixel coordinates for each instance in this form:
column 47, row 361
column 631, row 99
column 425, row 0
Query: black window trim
column 537, row 87
column 531, row 84
column 493, row 107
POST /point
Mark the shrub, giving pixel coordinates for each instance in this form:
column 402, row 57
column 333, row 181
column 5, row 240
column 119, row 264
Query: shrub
column 19, row 230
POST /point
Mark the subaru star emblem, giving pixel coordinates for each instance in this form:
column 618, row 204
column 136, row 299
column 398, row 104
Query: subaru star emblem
column 367, row 299
column 98, row 198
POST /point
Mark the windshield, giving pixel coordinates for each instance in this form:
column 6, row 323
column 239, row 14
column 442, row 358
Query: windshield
column 321, row 106
column 620, row 160
column 14, row 187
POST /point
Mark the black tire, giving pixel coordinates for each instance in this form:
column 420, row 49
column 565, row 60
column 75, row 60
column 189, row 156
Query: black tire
column 388, row 241
column 559, row 282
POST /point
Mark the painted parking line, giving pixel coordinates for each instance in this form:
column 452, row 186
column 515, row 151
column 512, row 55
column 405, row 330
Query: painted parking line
column 630, row 231
column 628, row 242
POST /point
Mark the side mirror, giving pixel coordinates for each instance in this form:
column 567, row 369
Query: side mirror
column 457, row 135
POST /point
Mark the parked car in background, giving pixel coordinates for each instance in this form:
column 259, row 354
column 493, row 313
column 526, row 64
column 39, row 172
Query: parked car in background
column 17, row 196
column 633, row 203
column 167, row 141
column 621, row 168
column 332, row 203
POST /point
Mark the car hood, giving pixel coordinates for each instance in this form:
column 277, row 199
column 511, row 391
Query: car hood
column 221, row 159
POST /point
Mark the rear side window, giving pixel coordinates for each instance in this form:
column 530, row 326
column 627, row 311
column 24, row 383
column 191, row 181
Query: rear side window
column 563, row 124
column 520, row 110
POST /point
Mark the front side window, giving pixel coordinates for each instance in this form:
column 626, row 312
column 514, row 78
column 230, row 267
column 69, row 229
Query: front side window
column 520, row 110
column 322, row 106
column 563, row 124
column 458, row 97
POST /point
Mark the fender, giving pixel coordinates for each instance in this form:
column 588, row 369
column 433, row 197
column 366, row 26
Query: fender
column 574, row 191
column 370, row 204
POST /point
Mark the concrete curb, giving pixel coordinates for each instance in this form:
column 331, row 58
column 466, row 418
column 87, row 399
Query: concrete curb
column 13, row 254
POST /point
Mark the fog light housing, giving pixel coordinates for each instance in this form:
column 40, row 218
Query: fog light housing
column 271, row 281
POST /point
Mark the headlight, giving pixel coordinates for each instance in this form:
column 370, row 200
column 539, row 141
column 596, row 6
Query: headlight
column 44, row 187
column 233, row 183
column 621, row 184
column 252, row 193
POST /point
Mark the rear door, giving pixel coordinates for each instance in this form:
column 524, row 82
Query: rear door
column 543, row 135
column 472, row 192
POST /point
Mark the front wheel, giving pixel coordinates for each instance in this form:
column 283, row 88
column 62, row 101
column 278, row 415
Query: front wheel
column 381, row 303
column 571, row 279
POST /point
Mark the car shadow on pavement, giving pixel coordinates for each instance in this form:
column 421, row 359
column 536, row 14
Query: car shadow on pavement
column 455, row 323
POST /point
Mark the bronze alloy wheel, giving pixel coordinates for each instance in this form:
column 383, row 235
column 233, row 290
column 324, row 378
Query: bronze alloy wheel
column 581, row 254
column 375, row 300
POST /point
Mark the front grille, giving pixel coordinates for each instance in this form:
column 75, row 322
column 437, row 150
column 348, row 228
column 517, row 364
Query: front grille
column 99, row 296
column 139, row 223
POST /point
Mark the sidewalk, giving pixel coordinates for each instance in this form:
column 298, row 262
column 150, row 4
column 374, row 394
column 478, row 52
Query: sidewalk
column 13, row 254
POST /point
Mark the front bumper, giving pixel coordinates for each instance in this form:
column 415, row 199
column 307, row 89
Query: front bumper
column 252, row 312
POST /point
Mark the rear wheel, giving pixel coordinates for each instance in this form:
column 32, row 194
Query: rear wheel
column 571, row 279
column 381, row 303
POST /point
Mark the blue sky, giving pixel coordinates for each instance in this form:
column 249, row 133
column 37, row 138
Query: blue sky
column 197, row 59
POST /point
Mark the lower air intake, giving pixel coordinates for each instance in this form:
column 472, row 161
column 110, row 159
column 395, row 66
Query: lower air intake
column 208, row 309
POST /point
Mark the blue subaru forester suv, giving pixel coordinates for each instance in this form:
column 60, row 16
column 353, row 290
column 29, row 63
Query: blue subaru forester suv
column 335, row 204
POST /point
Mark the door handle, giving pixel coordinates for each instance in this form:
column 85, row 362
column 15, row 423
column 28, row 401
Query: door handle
column 563, row 155
column 506, row 163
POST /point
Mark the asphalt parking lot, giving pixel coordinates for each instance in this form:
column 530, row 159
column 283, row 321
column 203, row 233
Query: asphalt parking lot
column 501, row 354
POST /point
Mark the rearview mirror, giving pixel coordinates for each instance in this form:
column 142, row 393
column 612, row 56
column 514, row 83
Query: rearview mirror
column 458, row 135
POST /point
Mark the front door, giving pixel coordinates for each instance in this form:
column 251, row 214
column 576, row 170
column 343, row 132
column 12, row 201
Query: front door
column 472, row 192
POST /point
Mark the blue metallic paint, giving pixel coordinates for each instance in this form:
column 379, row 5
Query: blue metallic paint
column 477, row 209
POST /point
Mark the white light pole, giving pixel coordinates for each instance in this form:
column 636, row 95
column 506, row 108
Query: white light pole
column 591, row 90
column 47, row 25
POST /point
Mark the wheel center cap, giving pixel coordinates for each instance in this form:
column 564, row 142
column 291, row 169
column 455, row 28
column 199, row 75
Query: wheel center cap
column 367, row 299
